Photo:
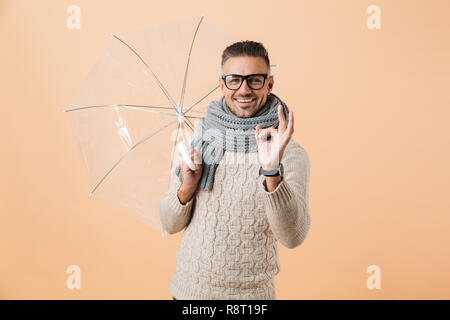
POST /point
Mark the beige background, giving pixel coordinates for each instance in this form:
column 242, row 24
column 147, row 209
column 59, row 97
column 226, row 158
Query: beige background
column 371, row 109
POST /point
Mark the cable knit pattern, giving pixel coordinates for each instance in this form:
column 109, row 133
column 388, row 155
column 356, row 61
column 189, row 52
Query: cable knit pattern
column 229, row 247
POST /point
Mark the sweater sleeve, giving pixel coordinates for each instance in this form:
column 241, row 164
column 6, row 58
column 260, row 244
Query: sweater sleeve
column 287, row 207
column 173, row 215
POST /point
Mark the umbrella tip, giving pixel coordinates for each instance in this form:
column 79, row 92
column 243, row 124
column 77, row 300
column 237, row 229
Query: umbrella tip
column 90, row 194
column 203, row 14
column 111, row 34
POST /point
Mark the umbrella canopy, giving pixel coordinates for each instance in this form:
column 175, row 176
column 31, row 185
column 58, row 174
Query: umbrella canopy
column 145, row 93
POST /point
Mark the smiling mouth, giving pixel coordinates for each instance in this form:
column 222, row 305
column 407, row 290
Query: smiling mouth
column 244, row 102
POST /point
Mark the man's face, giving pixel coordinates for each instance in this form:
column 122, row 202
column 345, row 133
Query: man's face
column 244, row 66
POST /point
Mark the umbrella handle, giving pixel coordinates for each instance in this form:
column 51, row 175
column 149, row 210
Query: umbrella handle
column 185, row 155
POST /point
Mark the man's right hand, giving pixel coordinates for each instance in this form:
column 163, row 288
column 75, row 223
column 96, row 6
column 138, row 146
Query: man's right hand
column 189, row 178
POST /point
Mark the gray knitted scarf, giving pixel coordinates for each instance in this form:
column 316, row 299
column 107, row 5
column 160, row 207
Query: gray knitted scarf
column 223, row 130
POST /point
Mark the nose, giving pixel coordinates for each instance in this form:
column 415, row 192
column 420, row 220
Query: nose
column 244, row 89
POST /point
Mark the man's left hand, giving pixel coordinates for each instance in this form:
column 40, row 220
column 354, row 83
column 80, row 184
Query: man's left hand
column 270, row 152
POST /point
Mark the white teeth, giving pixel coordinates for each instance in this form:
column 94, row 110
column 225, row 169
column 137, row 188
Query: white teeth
column 244, row 100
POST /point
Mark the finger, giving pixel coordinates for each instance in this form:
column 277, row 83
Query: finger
column 197, row 159
column 267, row 131
column 260, row 134
column 257, row 131
column 290, row 127
column 281, row 118
column 183, row 164
column 193, row 154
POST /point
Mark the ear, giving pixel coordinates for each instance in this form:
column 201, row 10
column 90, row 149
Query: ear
column 222, row 85
column 270, row 84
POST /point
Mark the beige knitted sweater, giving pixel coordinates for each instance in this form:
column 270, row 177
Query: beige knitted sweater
column 229, row 247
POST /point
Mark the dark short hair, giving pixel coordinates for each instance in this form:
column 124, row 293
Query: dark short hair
column 246, row 48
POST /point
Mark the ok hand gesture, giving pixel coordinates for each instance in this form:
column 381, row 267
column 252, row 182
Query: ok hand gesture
column 270, row 152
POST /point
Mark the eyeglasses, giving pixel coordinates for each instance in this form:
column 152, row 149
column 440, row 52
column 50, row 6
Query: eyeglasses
column 254, row 81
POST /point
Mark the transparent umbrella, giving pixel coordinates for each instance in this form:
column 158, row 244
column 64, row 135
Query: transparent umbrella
column 143, row 96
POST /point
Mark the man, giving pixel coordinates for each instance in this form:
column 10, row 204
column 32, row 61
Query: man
column 235, row 212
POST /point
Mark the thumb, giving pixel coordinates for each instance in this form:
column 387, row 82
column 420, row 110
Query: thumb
column 197, row 157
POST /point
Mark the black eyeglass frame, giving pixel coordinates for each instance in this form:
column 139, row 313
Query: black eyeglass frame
column 245, row 78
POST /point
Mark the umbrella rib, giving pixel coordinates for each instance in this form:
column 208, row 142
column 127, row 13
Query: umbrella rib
column 189, row 124
column 166, row 93
column 116, row 105
column 126, row 106
column 149, row 135
column 204, row 97
column 197, row 111
column 173, row 152
column 188, row 60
